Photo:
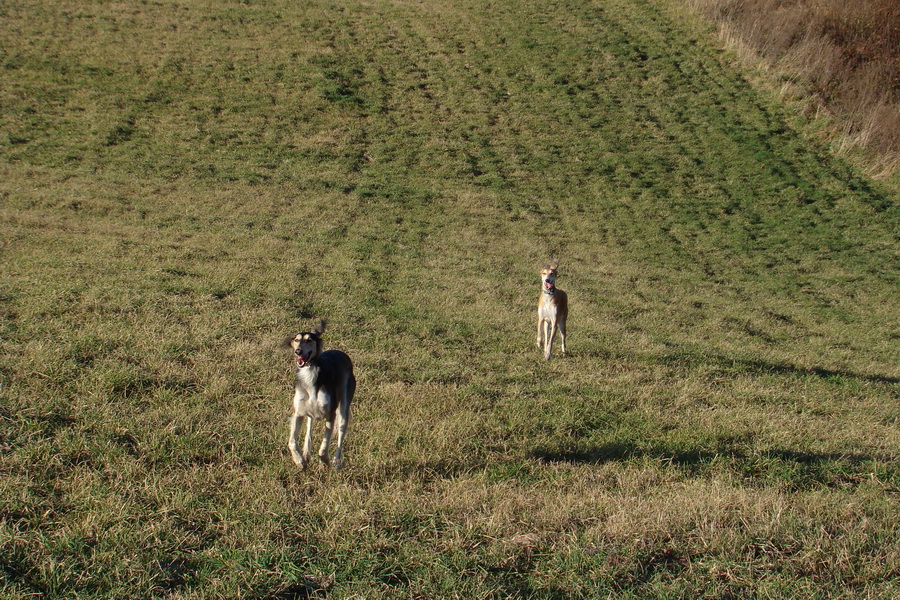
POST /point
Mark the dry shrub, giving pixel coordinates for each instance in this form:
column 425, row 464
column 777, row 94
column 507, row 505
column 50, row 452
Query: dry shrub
column 846, row 54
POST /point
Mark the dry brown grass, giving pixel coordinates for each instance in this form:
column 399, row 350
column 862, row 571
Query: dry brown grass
column 845, row 56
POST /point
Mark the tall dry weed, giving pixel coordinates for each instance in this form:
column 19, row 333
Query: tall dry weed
column 846, row 55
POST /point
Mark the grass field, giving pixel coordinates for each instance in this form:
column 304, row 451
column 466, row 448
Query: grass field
column 183, row 182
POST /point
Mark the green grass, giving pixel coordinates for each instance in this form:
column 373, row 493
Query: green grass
column 183, row 183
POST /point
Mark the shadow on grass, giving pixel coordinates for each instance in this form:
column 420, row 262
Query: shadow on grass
column 685, row 358
column 791, row 468
column 309, row 588
column 764, row 367
column 622, row 452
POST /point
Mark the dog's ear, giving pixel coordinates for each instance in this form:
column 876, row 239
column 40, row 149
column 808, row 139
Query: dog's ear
column 286, row 342
column 321, row 328
column 554, row 264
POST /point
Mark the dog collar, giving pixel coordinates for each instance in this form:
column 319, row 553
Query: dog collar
column 550, row 291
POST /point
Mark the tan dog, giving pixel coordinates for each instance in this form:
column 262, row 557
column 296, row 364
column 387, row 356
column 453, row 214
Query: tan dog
column 324, row 390
column 553, row 308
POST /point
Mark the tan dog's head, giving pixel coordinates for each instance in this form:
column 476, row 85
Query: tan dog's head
column 306, row 345
column 548, row 276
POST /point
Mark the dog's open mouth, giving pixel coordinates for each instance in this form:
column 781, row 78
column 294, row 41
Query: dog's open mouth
column 301, row 362
column 548, row 285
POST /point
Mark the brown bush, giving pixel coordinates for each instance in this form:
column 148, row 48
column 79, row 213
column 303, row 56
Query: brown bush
column 846, row 54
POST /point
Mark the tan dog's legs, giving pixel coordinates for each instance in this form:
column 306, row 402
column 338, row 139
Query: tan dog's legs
column 548, row 341
column 546, row 334
column 562, row 335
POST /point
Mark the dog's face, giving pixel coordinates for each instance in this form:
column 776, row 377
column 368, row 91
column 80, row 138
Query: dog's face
column 306, row 345
column 548, row 277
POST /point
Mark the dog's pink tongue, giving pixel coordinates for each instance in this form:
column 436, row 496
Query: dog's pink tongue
column 300, row 361
column 548, row 285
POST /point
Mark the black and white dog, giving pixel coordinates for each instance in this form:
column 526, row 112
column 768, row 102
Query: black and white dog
column 324, row 390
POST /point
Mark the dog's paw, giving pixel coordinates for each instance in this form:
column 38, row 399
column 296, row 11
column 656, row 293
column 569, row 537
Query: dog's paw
column 337, row 464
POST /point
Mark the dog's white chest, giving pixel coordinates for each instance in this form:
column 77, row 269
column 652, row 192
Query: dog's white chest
column 309, row 400
column 547, row 309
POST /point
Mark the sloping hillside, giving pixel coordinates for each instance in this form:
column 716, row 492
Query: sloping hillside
column 182, row 183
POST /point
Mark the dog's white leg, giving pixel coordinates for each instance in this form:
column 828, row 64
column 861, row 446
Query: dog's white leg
column 292, row 441
column 551, row 335
column 326, row 441
column 562, row 335
column 540, row 339
column 307, row 442
column 295, row 426
column 323, row 401
column 343, row 421
column 546, row 334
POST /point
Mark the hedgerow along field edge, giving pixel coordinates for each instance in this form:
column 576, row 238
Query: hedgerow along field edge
column 184, row 183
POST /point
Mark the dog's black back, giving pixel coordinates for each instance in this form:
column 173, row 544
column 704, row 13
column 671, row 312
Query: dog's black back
column 333, row 367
